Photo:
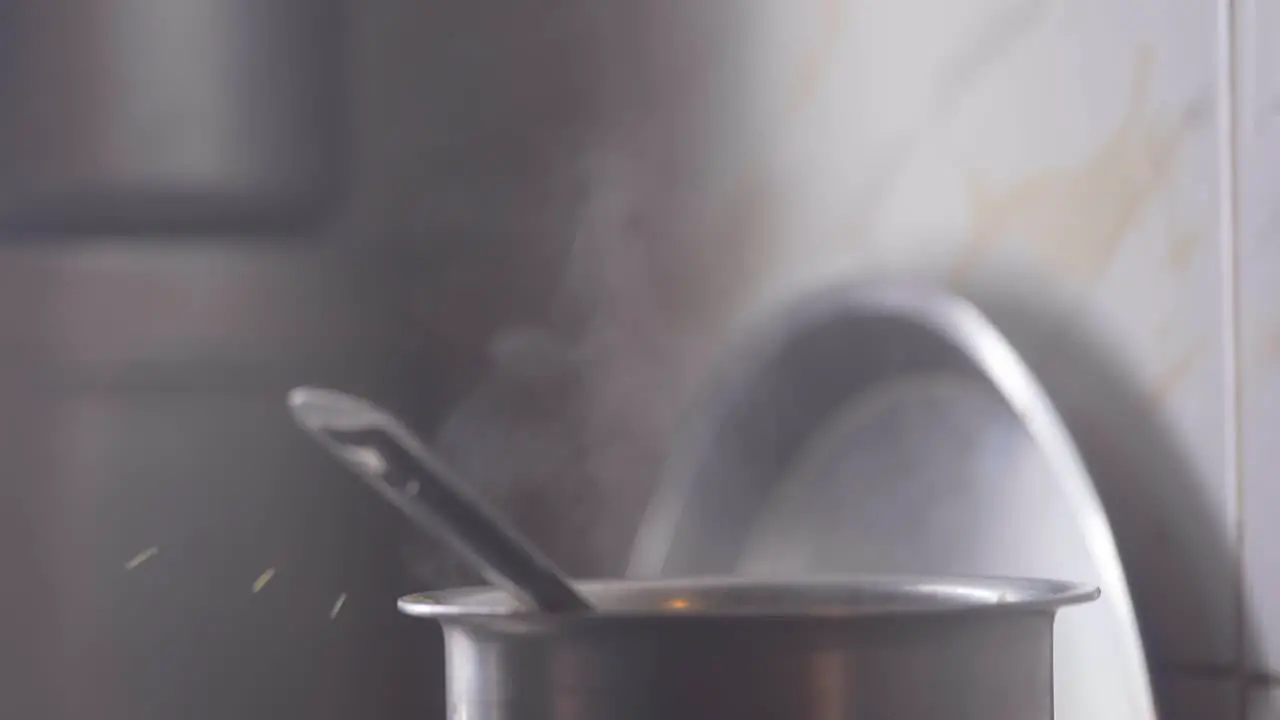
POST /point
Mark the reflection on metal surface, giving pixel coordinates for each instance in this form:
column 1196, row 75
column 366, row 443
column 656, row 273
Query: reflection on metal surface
column 891, row 428
column 808, row 596
column 923, row 648
column 829, row 674
column 160, row 117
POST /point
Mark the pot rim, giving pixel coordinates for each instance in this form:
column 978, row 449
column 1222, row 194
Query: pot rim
column 808, row 597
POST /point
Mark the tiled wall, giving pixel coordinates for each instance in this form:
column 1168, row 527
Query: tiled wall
column 1072, row 160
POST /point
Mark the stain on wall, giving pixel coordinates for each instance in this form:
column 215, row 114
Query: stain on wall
column 1266, row 352
column 1177, row 372
column 1182, row 248
column 813, row 66
column 1076, row 217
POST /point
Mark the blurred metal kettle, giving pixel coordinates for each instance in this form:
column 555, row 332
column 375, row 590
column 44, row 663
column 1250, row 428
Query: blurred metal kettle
column 146, row 116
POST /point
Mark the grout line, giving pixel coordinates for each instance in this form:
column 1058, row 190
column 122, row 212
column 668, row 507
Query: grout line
column 1228, row 176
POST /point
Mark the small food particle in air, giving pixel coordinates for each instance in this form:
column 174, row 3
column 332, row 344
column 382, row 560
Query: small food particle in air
column 337, row 606
column 263, row 579
column 142, row 557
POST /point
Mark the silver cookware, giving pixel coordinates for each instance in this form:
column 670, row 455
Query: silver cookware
column 862, row 648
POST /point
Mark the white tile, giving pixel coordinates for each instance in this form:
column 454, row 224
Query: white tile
column 1259, row 347
column 1261, row 89
column 1261, row 532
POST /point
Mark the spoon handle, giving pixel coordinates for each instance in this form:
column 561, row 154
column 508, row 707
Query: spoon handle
column 382, row 451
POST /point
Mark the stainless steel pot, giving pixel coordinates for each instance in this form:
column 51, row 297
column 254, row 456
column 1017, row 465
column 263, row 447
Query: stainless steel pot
column 864, row 649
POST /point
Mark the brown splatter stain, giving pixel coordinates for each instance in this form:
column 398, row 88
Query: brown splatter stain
column 817, row 59
column 1077, row 217
column 1268, row 349
column 1182, row 248
column 1177, row 373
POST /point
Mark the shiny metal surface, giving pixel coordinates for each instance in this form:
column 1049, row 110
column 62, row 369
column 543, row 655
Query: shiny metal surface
column 156, row 116
column 141, row 378
column 387, row 456
column 891, row 428
column 874, row 649
column 737, row 597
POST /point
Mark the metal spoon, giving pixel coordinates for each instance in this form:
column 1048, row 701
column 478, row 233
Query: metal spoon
column 380, row 449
